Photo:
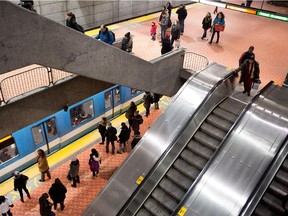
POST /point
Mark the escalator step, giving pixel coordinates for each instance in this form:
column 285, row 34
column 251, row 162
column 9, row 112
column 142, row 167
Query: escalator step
column 179, row 179
column 282, row 177
column 219, row 122
column 225, row 115
column 273, row 202
column 233, row 106
column 285, row 165
column 206, row 140
column 193, row 159
column 277, row 188
column 155, row 209
column 164, row 199
column 143, row 212
column 262, row 210
column 200, row 150
column 186, row 169
column 172, row 189
column 212, row 131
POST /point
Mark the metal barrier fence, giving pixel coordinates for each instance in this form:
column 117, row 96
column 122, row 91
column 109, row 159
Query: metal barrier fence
column 194, row 61
column 29, row 81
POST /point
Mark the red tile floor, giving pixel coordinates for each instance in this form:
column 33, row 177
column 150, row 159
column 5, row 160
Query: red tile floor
column 269, row 37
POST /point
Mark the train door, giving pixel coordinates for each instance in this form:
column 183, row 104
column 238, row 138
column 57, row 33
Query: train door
column 45, row 135
column 112, row 101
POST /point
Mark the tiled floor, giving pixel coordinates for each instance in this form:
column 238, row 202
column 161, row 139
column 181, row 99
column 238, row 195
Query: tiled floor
column 269, row 37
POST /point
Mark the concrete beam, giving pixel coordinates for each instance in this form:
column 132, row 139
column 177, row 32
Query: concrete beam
column 31, row 109
column 27, row 38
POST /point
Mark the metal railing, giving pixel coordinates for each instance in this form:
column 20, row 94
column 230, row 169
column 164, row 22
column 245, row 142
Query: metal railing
column 26, row 82
column 194, row 61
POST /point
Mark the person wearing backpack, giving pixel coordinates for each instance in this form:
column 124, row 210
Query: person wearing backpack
column 123, row 138
column 71, row 22
column 137, row 120
column 105, row 35
column 127, row 43
column 130, row 113
column 45, row 206
column 20, row 182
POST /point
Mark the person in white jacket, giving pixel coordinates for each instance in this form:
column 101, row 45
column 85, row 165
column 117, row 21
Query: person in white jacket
column 5, row 205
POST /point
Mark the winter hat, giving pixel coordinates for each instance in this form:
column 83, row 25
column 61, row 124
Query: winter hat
column 127, row 34
column 74, row 159
column 153, row 23
column 16, row 173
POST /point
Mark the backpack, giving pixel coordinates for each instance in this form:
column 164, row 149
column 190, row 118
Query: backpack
column 113, row 36
column 81, row 29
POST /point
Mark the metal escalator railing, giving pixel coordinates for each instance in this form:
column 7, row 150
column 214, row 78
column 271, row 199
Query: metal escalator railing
column 194, row 61
column 174, row 185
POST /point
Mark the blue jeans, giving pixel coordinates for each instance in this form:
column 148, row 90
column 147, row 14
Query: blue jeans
column 181, row 22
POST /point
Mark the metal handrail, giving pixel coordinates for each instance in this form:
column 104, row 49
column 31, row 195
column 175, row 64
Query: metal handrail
column 29, row 81
column 194, row 61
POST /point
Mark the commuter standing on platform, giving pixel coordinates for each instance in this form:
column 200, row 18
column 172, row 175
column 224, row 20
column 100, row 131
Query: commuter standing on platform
column 43, row 165
column 148, row 100
column 123, row 137
column 245, row 56
column 175, row 32
column 248, row 3
column 135, row 140
column 137, row 120
column 95, row 161
column 102, row 129
column 20, row 182
column 45, row 206
column 206, row 24
column 156, row 99
column 250, row 72
column 153, row 31
column 71, row 22
column 74, row 171
column 127, row 43
column 219, row 20
column 130, row 113
column 169, row 8
column 164, row 24
column 5, row 205
column 164, row 11
column 57, row 193
column 111, row 135
column 182, row 14
column 166, row 44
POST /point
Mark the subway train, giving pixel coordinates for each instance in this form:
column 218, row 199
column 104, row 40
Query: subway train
column 18, row 150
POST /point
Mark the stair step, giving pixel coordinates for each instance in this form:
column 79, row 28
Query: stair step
column 178, row 178
column 186, row 169
column 193, row 159
column 200, row 150
column 164, row 199
column 219, row 122
column 143, row 212
column 233, row 106
column 172, row 189
column 155, row 209
column 206, row 140
column 213, row 131
column 282, row 177
column 228, row 116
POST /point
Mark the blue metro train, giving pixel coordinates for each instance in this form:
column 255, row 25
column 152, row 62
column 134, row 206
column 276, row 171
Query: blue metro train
column 18, row 150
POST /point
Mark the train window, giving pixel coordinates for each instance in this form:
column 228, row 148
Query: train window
column 81, row 113
column 8, row 149
column 134, row 91
column 51, row 127
column 117, row 96
column 107, row 99
column 37, row 135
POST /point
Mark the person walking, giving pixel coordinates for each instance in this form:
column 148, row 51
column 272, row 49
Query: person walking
column 95, row 161
column 71, row 22
column 130, row 113
column 148, row 100
column 57, row 193
column 123, row 137
column 175, row 32
column 5, row 205
column 111, row 135
column 250, row 72
column 45, row 206
column 102, row 129
column 245, row 56
column 43, row 165
column 20, row 182
column 206, row 24
column 74, row 171
column 182, row 14
column 219, row 20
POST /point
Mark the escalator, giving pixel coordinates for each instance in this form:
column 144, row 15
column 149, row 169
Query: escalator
column 180, row 176
column 271, row 202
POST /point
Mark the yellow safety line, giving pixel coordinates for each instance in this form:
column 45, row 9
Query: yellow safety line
column 136, row 20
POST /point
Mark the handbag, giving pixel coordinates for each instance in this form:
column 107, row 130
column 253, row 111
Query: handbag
column 219, row 27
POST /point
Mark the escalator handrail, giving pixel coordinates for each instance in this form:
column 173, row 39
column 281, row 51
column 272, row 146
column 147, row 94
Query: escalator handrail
column 165, row 153
column 259, row 190
column 188, row 193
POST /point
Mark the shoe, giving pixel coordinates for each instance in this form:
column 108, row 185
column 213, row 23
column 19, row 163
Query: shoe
column 118, row 152
column 41, row 180
column 22, row 200
column 29, row 196
column 248, row 93
column 73, row 185
column 62, row 207
column 244, row 92
column 210, row 42
column 202, row 38
column 217, row 41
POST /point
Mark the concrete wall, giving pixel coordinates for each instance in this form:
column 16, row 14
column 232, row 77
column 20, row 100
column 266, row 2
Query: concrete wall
column 94, row 13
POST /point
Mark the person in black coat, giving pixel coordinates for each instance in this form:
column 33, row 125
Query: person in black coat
column 136, row 139
column 175, row 32
column 206, row 24
column 111, row 135
column 130, row 113
column 57, row 193
column 148, row 100
column 71, row 22
column 182, row 14
column 20, row 182
column 245, row 56
column 166, row 44
column 156, row 99
column 123, row 137
column 169, row 8
column 102, row 129
column 45, row 206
